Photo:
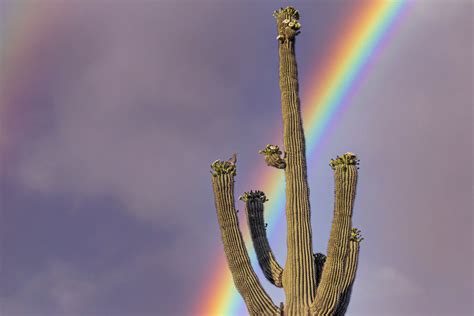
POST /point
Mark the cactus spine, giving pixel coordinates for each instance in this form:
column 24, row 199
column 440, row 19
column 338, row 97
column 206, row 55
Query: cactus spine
column 313, row 283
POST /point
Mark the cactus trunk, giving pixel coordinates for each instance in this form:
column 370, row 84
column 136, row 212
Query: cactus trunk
column 299, row 278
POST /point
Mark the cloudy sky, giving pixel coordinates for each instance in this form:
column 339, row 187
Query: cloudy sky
column 111, row 112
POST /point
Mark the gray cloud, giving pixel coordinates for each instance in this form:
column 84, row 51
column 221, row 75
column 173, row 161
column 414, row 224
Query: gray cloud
column 394, row 292
column 56, row 290
column 128, row 118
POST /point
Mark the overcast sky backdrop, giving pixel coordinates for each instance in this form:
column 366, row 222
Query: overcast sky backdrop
column 116, row 108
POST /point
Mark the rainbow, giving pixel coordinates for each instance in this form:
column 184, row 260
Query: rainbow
column 345, row 65
column 26, row 30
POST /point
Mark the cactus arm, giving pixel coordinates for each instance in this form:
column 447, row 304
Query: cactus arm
column 246, row 281
column 267, row 261
column 273, row 156
column 350, row 272
column 331, row 286
column 319, row 260
column 299, row 277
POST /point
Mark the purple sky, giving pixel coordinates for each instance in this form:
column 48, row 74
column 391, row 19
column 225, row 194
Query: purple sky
column 106, row 201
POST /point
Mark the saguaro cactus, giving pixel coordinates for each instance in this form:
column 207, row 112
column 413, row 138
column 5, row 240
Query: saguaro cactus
column 314, row 284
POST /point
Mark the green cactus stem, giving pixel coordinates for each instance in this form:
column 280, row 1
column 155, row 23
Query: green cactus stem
column 254, row 201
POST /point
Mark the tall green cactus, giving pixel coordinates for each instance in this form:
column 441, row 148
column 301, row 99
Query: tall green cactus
column 314, row 284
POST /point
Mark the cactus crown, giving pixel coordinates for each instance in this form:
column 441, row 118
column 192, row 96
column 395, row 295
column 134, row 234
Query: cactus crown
column 355, row 235
column 288, row 12
column 223, row 167
column 345, row 160
column 253, row 195
column 289, row 17
column 270, row 149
